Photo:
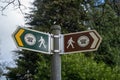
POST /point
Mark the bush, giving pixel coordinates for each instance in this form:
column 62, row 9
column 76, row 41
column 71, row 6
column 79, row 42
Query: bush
column 78, row 67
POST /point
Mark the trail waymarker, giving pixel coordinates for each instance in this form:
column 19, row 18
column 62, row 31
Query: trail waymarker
column 81, row 41
column 32, row 40
column 56, row 44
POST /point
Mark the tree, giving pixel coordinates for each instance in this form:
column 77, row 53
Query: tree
column 71, row 15
column 68, row 14
column 75, row 16
column 107, row 21
column 1, row 71
column 26, row 64
column 78, row 67
column 14, row 4
column 115, row 4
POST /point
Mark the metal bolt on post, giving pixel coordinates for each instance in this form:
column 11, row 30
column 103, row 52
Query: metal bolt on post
column 56, row 58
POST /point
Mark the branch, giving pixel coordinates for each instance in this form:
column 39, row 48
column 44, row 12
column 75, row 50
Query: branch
column 16, row 3
column 8, row 3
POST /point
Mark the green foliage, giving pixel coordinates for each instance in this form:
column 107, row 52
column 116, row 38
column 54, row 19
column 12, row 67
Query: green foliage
column 44, row 68
column 26, row 64
column 107, row 24
column 78, row 67
column 68, row 14
column 73, row 16
column 12, row 74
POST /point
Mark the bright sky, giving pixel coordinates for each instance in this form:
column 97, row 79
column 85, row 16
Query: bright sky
column 8, row 25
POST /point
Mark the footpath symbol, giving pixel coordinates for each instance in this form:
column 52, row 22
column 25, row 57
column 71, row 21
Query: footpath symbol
column 32, row 40
column 70, row 43
column 42, row 42
column 81, row 41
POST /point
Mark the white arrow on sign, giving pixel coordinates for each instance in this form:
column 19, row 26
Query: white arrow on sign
column 96, row 41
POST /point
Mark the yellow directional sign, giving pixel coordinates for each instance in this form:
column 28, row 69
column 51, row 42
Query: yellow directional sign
column 17, row 37
column 32, row 40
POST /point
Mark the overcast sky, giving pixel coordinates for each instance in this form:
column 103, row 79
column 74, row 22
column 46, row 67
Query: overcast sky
column 8, row 24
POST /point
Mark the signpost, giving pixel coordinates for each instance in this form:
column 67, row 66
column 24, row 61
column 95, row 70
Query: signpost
column 81, row 41
column 32, row 40
column 56, row 57
column 42, row 42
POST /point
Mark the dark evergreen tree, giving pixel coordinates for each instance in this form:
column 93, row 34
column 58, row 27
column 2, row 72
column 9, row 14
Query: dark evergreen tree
column 26, row 65
column 107, row 22
column 73, row 16
column 68, row 14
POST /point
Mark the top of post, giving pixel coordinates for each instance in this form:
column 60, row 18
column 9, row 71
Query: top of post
column 56, row 29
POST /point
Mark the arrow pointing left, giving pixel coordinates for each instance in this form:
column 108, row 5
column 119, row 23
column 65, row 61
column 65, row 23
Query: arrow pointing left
column 17, row 37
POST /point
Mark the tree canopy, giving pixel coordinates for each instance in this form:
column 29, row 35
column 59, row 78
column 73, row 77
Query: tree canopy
column 74, row 16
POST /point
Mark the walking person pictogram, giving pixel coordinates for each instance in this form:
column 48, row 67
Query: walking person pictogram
column 42, row 42
column 70, row 43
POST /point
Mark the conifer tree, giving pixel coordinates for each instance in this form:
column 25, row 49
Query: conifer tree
column 106, row 22
column 74, row 16
column 26, row 65
column 68, row 14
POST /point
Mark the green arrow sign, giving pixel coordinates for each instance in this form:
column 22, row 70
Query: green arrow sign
column 32, row 40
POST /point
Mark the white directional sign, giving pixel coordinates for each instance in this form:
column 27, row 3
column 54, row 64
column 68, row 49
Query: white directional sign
column 81, row 41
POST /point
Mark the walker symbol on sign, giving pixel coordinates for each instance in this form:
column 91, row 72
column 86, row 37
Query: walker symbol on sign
column 81, row 41
column 42, row 42
column 70, row 43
